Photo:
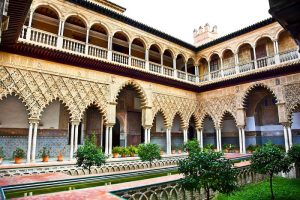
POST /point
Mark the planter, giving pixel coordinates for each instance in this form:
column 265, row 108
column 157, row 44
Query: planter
column 179, row 152
column 60, row 158
column 249, row 151
column 1, row 160
column 18, row 160
column 173, row 151
column 131, row 155
column 162, row 152
column 236, row 151
column 123, row 155
column 115, row 155
column 226, row 150
column 45, row 159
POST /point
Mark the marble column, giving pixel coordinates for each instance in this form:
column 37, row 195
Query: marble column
column 29, row 141
column 34, row 138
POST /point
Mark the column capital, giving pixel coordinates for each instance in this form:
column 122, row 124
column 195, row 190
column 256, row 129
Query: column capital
column 147, row 127
column 113, row 103
column 146, row 107
column 33, row 120
column 286, row 124
column 280, row 103
column 241, row 126
column 75, row 122
column 109, row 125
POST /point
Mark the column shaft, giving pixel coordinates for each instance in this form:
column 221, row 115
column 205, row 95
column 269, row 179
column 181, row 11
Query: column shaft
column 185, row 136
column 106, row 140
column 289, row 132
column 240, row 140
column 72, row 141
column 110, row 141
column 243, row 140
column 146, row 136
column 34, row 141
column 29, row 142
column 285, row 135
column 76, row 138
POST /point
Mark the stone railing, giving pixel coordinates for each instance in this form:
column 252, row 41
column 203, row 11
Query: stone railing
column 73, row 170
column 173, row 190
column 44, row 38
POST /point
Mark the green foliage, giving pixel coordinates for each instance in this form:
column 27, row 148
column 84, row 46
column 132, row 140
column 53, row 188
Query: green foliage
column 286, row 189
column 124, row 151
column 117, row 149
column 209, row 147
column 270, row 159
column 2, row 154
column 294, row 154
column 250, row 148
column 228, row 146
column 149, row 152
column 90, row 154
column 44, row 152
column 191, row 145
column 19, row 153
column 208, row 170
column 132, row 150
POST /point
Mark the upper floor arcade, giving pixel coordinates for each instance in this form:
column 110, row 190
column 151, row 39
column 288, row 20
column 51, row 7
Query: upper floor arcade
column 101, row 38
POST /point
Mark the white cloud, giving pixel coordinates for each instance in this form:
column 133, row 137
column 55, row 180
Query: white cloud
column 180, row 18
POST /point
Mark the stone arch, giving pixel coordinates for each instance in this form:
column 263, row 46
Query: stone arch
column 278, row 32
column 160, row 48
column 221, row 120
column 197, row 119
column 165, row 118
column 224, row 50
column 212, row 53
column 206, row 114
column 61, row 100
column 137, row 87
column 241, row 44
column 143, row 40
column 252, row 87
column 183, row 124
column 201, row 57
column 261, row 37
column 170, row 50
column 100, row 108
column 125, row 33
column 53, row 6
column 292, row 109
column 82, row 17
column 104, row 25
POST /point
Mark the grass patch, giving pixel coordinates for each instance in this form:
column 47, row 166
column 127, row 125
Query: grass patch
column 284, row 189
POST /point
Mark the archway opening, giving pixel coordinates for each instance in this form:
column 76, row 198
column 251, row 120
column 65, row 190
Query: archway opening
column 158, row 131
column 191, row 66
column 262, row 121
column 180, row 63
column 138, row 49
column 228, row 63
column 203, row 70
column 287, row 47
column 168, row 58
column 246, row 58
column 215, row 66
column 129, row 112
column 230, row 133
column 75, row 28
column 13, row 125
column 176, row 133
column 209, row 132
column 192, row 131
column 264, row 51
column 98, row 36
column 120, row 43
column 154, row 54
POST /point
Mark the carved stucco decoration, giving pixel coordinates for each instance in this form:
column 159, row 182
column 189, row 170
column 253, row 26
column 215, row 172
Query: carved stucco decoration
column 170, row 105
column 216, row 108
column 292, row 97
column 37, row 90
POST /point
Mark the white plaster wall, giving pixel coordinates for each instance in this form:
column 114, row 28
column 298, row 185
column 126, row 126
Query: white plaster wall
column 13, row 113
column 296, row 121
column 176, row 124
column 250, row 124
column 229, row 126
column 159, row 123
column 50, row 116
column 208, row 126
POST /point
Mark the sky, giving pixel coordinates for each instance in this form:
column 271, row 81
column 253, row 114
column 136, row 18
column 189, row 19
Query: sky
column 180, row 17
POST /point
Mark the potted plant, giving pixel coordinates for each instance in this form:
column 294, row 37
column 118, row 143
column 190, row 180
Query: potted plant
column 132, row 150
column 60, row 153
column 162, row 152
column 209, row 147
column 174, row 148
column 44, row 153
column 231, row 148
column 2, row 155
column 116, row 151
column 18, row 155
column 179, row 150
column 124, row 152
column 226, row 148
column 250, row 148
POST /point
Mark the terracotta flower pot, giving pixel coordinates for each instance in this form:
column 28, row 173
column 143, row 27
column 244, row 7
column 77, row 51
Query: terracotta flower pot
column 179, row 152
column 1, row 160
column 60, row 158
column 18, row 160
column 173, row 151
column 45, row 158
column 161, row 152
column 123, row 155
column 226, row 150
column 132, row 155
column 115, row 155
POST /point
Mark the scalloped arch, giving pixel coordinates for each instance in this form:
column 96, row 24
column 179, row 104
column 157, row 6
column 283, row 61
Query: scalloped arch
column 183, row 124
column 223, row 115
column 165, row 118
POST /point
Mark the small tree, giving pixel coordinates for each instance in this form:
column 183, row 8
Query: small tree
column 294, row 155
column 149, row 152
column 89, row 154
column 208, row 170
column 270, row 160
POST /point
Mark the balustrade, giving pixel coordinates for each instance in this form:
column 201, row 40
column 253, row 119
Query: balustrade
column 246, row 67
column 181, row 75
column 192, row 78
column 154, row 67
column 265, row 61
column 120, row 58
column 228, row 71
column 137, row 62
column 74, row 45
column 97, row 52
column 288, row 55
column 168, row 71
column 215, row 74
